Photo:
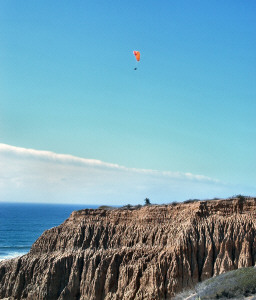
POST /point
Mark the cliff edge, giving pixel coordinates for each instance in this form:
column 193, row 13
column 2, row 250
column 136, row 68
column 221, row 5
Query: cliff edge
column 149, row 253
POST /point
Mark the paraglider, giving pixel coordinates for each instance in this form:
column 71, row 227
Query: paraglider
column 137, row 56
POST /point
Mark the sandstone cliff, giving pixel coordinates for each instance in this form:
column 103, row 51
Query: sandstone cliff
column 147, row 253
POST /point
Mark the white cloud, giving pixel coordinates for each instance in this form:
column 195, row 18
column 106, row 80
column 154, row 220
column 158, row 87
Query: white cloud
column 33, row 175
column 67, row 159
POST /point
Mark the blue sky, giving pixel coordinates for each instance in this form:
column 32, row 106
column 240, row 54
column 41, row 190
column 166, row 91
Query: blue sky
column 68, row 86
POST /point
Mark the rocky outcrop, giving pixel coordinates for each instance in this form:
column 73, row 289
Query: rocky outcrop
column 147, row 253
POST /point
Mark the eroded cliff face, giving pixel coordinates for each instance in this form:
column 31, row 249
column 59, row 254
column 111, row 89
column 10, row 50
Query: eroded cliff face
column 149, row 253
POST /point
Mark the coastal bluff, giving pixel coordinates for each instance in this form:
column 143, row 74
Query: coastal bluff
column 152, row 252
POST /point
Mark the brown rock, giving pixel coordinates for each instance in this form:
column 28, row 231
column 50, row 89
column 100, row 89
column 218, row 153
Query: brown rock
column 147, row 253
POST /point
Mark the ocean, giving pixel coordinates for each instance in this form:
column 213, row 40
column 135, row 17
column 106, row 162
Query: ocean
column 21, row 224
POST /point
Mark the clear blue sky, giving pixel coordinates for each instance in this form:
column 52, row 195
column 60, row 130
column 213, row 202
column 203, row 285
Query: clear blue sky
column 67, row 83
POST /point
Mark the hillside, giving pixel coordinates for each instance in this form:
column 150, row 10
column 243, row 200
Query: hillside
column 152, row 252
column 236, row 284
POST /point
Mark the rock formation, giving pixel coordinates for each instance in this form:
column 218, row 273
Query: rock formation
column 148, row 253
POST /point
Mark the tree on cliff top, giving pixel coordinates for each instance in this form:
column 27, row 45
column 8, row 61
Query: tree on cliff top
column 147, row 201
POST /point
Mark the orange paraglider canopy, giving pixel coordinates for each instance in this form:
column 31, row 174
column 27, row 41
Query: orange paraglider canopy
column 137, row 55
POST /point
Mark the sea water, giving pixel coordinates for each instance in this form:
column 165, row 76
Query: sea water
column 21, row 224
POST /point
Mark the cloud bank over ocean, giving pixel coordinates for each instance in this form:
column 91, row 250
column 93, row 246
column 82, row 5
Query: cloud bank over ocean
column 29, row 175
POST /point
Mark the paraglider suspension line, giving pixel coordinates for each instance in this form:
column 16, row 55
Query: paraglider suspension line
column 135, row 68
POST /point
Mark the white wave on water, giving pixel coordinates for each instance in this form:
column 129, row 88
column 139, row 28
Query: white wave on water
column 11, row 255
